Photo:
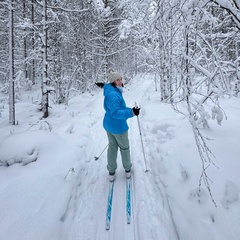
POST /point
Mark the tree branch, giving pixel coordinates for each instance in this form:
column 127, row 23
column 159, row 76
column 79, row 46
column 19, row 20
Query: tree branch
column 68, row 10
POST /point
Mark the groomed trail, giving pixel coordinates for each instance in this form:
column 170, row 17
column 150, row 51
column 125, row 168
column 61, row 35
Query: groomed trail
column 51, row 187
column 151, row 213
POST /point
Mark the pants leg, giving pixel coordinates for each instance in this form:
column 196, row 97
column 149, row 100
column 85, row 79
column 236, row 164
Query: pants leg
column 112, row 153
column 123, row 143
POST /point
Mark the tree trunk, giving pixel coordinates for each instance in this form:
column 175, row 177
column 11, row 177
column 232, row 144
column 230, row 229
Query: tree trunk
column 237, row 83
column 33, row 42
column 25, row 44
column 11, row 66
column 106, row 42
column 45, row 103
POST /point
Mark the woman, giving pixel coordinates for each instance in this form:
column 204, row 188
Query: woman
column 115, row 124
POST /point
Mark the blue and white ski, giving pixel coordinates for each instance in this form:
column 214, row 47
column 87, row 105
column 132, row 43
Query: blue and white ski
column 109, row 206
column 128, row 200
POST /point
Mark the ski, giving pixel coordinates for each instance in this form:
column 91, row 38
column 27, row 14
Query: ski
column 128, row 200
column 109, row 205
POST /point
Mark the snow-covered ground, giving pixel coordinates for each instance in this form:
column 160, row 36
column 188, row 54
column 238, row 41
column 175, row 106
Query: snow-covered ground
column 51, row 187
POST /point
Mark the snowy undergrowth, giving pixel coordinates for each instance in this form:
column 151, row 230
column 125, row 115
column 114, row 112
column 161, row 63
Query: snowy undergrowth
column 51, row 187
column 176, row 166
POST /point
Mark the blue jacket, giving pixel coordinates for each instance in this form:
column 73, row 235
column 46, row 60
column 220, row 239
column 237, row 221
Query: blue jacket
column 117, row 113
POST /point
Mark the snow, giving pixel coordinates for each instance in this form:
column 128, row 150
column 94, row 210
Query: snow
column 51, row 187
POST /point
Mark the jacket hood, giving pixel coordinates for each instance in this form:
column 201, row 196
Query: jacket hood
column 108, row 88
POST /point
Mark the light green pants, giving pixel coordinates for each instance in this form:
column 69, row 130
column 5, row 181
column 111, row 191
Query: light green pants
column 118, row 141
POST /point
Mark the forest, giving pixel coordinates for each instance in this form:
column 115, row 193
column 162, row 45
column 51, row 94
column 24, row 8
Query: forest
column 190, row 49
column 63, row 47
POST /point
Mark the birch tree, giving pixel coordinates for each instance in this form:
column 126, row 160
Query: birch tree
column 25, row 43
column 11, row 65
column 166, row 25
column 44, row 42
column 4, row 39
column 33, row 61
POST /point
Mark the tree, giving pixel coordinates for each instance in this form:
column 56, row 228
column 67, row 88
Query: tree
column 70, row 44
column 44, row 47
column 106, row 35
column 33, row 62
column 208, row 65
column 4, row 52
column 11, row 65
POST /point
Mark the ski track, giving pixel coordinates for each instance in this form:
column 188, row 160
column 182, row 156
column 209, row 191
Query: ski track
column 148, row 188
column 88, row 201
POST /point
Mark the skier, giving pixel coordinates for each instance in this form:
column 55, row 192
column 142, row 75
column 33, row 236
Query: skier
column 115, row 123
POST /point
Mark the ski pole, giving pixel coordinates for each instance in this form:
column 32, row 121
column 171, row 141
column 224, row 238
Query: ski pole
column 96, row 158
column 140, row 132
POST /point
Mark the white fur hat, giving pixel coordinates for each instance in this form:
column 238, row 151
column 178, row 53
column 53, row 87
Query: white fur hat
column 113, row 76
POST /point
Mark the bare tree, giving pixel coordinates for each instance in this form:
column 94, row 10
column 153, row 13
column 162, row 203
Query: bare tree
column 33, row 62
column 11, row 65
column 44, row 42
column 25, row 43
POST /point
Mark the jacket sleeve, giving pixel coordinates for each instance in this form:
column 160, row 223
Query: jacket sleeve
column 116, row 109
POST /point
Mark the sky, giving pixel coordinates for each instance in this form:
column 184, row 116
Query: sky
column 51, row 186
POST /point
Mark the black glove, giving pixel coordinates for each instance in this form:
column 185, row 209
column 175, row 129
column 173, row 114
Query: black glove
column 99, row 84
column 136, row 111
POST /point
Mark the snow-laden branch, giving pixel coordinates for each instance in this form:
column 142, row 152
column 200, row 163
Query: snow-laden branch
column 200, row 68
column 64, row 9
column 232, row 7
column 4, row 4
column 203, row 149
column 68, row 10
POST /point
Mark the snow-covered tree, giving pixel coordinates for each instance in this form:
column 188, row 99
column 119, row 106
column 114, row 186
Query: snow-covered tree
column 11, row 65
column 192, row 47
